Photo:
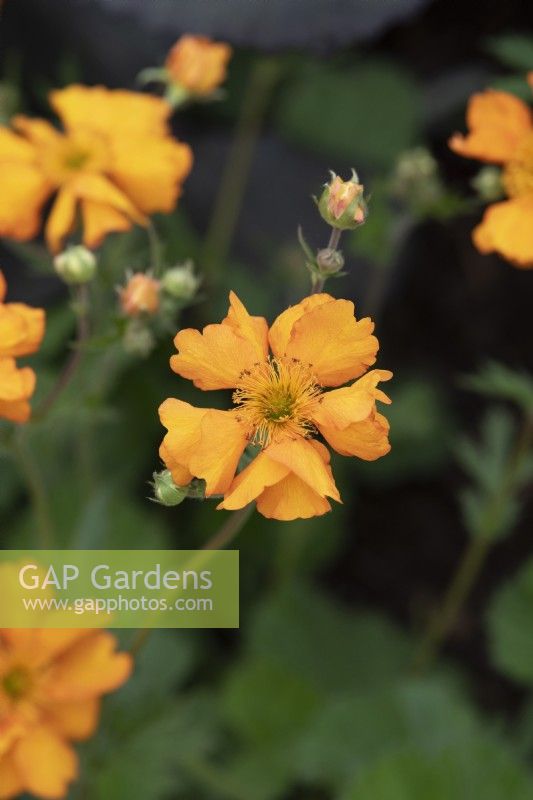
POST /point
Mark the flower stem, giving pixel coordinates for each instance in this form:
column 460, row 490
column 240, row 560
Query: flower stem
column 474, row 557
column 81, row 304
column 225, row 534
column 334, row 239
column 232, row 187
column 156, row 259
column 318, row 281
column 36, row 487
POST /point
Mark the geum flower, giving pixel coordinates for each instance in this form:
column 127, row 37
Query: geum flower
column 21, row 333
column 282, row 401
column 501, row 132
column 115, row 162
column 51, row 683
column 197, row 65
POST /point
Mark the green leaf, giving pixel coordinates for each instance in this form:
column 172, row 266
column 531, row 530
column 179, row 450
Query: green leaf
column 367, row 113
column 510, row 621
column 479, row 769
column 513, row 50
column 497, row 380
column 325, row 645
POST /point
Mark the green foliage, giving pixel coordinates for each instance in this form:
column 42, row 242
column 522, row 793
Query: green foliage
column 497, row 472
column 513, row 50
column 510, row 626
column 501, row 382
column 475, row 769
column 369, row 112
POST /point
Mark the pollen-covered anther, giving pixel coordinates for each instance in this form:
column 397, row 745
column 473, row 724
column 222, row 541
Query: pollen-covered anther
column 275, row 400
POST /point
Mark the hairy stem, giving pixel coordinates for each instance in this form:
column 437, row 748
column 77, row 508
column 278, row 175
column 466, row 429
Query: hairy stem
column 232, row 187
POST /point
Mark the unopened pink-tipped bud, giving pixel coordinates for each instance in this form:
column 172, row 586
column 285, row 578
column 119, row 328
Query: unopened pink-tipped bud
column 342, row 204
column 141, row 295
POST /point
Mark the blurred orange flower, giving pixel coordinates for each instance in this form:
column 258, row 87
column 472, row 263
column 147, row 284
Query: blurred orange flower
column 501, row 131
column 21, row 333
column 140, row 295
column 115, row 161
column 280, row 402
column 198, row 64
column 51, row 682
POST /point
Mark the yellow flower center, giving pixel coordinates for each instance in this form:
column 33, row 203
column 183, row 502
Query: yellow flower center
column 84, row 151
column 17, row 683
column 275, row 400
column 518, row 173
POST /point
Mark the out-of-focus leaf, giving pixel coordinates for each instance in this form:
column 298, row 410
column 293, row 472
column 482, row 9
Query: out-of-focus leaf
column 471, row 770
column 513, row 84
column 421, row 429
column 355, row 729
column 513, row 50
column 497, row 380
column 367, row 114
column 511, row 626
column 324, row 644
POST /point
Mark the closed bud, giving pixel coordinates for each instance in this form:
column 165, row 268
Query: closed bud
column 140, row 295
column 76, row 265
column 166, row 493
column 342, row 204
column 488, row 184
column 197, row 65
column 329, row 261
column 180, row 282
column 138, row 339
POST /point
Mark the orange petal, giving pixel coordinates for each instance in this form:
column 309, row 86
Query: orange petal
column 38, row 131
column 75, row 720
column 24, row 191
column 289, row 480
column 367, row 439
column 497, row 121
column 114, row 112
column 15, row 383
column 180, row 474
column 342, row 407
column 42, row 645
column 3, row 290
column 88, row 669
column 45, row 763
column 14, row 148
column 11, row 784
column 330, row 340
column 506, row 229
column 16, row 411
column 253, row 329
column 252, row 481
column 150, row 171
column 213, row 359
column 291, row 499
column 99, row 220
column 21, row 329
column 61, row 219
column 206, row 443
column 280, row 332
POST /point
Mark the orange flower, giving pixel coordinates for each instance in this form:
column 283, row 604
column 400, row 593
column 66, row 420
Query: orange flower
column 198, row 64
column 21, row 333
column 501, row 131
column 51, row 682
column 140, row 295
column 281, row 400
column 115, row 162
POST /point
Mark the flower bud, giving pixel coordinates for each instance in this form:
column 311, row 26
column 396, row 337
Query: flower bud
column 180, row 282
column 416, row 180
column 198, row 65
column 76, row 265
column 342, row 204
column 138, row 339
column 330, row 261
column 166, row 493
column 488, row 184
column 140, row 295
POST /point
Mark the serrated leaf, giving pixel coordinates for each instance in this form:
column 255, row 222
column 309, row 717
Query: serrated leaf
column 497, row 380
column 513, row 50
